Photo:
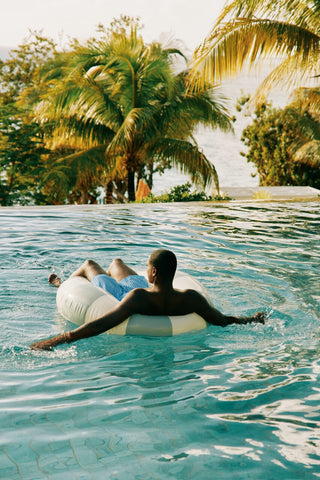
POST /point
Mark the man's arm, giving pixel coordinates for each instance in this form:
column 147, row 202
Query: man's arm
column 215, row 317
column 121, row 312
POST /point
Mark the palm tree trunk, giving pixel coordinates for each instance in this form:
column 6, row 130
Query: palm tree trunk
column 108, row 199
column 84, row 197
column 150, row 175
column 131, row 187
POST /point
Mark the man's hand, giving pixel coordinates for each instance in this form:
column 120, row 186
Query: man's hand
column 259, row 317
column 42, row 345
column 51, row 342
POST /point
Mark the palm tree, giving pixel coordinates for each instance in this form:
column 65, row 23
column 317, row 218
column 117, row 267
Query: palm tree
column 119, row 104
column 171, row 131
column 79, row 118
column 248, row 31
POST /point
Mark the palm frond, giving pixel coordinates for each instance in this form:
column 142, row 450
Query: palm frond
column 307, row 99
column 130, row 129
column 289, row 74
column 86, row 158
column 245, row 42
column 93, row 163
column 301, row 12
column 58, row 174
column 187, row 158
column 309, row 154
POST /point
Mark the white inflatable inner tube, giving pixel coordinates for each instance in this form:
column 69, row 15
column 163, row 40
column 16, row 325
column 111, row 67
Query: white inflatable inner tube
column 79, row 301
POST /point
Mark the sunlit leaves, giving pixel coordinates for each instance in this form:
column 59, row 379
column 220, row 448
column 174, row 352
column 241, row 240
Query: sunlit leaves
column 248, row 31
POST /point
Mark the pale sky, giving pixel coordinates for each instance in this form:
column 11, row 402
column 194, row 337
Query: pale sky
column 186, row 20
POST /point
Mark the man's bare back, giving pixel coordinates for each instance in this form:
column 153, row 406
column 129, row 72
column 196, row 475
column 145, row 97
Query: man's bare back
column 173, row 302
column 159, row 299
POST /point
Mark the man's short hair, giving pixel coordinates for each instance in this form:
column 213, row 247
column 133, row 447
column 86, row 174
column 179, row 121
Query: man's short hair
column 165, row 262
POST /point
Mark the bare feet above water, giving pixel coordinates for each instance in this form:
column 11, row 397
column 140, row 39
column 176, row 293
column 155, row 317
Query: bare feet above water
column 54, row 280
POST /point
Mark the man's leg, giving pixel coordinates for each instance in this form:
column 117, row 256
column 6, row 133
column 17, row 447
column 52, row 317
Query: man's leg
column 88, row 269
column 119, row 270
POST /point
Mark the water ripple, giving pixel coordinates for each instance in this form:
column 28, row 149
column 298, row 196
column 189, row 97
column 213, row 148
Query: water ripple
column 164, row 408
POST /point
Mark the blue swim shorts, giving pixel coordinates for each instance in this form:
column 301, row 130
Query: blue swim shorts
column 119, row 289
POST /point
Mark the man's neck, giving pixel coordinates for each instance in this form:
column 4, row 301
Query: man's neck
column 161, row 287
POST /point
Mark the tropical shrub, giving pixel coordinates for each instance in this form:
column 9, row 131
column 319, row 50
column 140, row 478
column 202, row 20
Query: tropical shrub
column 21, row 151
column 182, row 193
column 272, row 140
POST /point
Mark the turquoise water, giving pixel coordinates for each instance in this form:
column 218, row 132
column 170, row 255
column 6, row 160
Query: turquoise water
column 235, row 403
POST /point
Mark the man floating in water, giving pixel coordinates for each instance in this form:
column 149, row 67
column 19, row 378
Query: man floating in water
column 135, row 296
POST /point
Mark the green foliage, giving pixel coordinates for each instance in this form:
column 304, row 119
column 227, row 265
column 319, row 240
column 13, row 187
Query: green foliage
column 272, row 140
column 22, row 144
column 182, row 193
column 122, row 26
column 21, row 150
column 20, row 70
column 68, row 182
column 248, row 32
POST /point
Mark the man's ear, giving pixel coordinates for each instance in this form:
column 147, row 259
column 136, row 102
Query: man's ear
column 154, row 272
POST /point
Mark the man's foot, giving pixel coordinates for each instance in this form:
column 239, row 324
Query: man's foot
column 54, row 280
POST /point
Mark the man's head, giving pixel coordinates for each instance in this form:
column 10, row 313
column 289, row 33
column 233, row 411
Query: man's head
column 163, row 264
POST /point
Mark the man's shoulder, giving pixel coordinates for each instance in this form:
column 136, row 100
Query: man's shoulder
column 140, row 292
column 191, row 293
column 137, row 295
column 190, row 296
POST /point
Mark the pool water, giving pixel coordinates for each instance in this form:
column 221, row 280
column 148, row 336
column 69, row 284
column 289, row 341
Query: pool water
column 236, row 403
